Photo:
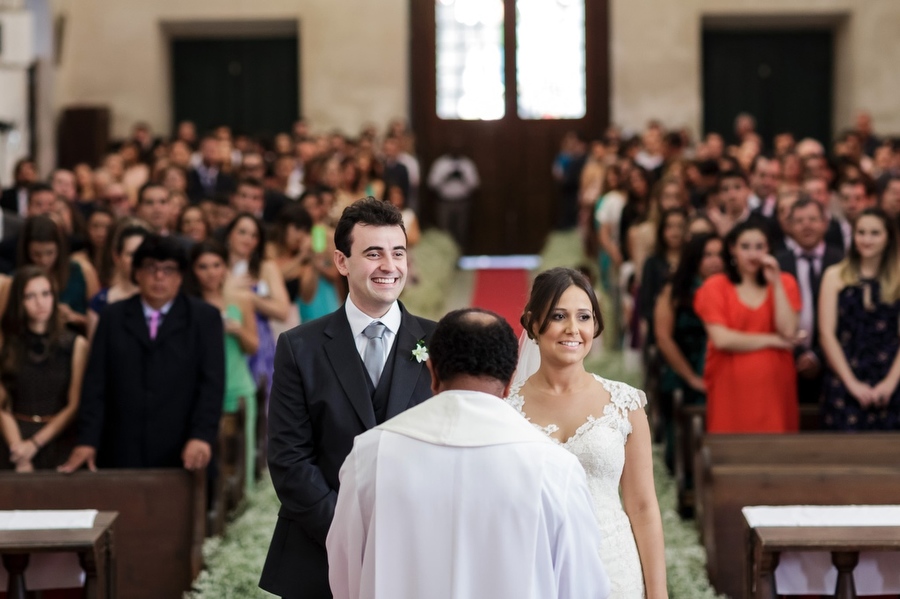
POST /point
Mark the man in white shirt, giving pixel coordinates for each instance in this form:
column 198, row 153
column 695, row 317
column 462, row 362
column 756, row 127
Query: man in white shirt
column 454, row 178
column 461, row 497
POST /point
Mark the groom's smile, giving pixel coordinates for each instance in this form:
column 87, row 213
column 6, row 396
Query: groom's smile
column 375, row 268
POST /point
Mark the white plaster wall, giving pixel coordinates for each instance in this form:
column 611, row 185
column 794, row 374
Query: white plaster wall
column 657, row 67
column 353, row 56
column 18, row 52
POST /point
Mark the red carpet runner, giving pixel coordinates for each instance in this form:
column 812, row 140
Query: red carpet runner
column 503, row 291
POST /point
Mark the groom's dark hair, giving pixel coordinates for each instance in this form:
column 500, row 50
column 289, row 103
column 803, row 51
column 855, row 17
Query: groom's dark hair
column 367, row 211
column 473, row 342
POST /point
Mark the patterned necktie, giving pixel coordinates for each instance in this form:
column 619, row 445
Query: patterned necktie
column 154, row 323
column 374, row 360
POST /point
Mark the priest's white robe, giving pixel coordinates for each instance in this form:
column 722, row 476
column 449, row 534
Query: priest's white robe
column 462, row 498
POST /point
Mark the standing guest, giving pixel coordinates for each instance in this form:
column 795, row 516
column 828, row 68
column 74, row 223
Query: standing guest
column 291, row 250
column 805, row 259
column 765, row 176
column 734, row 195
column 206, row 280
column 601, row 421
column 668, row 194
column 337, row 377
column 123, row 244
column 42, row 243
column 245, row 240
column 152, row 394
column 858, row 324
column 680, row 334
column 454, row 178
column 155, row 206
column 207, row 179
column 530, row 534
column 750, row 313
column 326, row 299
column 658, row 268
column 96, row 241
column 193, row 225
column 15, row 199
column 41, row 369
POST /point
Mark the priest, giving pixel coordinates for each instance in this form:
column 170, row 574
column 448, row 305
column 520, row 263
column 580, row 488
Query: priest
column 460, row 496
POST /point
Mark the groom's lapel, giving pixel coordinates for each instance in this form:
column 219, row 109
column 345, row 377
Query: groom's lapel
column 341, row 351
column 406, row 368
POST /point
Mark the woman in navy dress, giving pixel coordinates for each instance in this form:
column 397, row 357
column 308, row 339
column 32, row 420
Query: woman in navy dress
column 860, row 332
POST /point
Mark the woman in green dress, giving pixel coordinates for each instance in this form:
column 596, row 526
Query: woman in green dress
column 206, row 279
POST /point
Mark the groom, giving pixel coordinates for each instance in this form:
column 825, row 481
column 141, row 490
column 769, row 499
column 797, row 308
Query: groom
column 335, row 378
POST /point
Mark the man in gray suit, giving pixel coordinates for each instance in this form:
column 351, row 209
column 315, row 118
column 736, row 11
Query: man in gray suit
column 335, row 378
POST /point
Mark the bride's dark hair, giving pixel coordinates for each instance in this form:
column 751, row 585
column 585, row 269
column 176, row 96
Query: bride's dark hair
column 548, row 287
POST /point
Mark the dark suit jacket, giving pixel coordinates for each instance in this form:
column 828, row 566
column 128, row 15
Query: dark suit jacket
column 787, row 261
column 320, row 401
column 196, row 192
column 9, row 200
column 143, row 399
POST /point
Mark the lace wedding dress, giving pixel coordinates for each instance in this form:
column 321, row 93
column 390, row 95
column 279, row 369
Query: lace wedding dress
column 599, row 444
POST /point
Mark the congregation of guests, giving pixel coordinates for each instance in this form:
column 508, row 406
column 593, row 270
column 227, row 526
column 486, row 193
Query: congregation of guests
column 112, row 273
column 751, row 276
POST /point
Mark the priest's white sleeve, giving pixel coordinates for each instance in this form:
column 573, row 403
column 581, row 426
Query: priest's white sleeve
column 579, row 570
column 347, row 536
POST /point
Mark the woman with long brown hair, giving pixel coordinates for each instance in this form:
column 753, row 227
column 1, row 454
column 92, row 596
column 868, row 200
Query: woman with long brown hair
column 41, row 368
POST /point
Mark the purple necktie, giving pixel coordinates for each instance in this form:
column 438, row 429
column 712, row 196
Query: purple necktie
column 154, row 323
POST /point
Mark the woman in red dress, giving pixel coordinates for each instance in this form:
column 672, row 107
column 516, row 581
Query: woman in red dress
column 750, row 313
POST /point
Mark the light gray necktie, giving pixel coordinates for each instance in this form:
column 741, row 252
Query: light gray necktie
column 374, row 360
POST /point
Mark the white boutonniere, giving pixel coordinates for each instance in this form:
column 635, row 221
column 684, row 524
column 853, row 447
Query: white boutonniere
column 420, row 353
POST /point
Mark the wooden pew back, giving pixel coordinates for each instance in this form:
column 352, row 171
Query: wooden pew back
column 161, row 524
column 735, row 471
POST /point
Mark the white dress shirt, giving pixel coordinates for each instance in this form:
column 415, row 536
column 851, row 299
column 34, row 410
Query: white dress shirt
column 359, row 320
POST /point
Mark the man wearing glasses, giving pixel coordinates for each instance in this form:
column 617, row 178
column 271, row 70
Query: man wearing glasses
column 152, row 392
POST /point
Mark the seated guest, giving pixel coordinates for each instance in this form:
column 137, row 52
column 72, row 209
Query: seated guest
column 124, row 243
column 42, row 243
column 514, row 521
column 750, row 314
column 680, row 334
column 41, row 369
column 153, row 389
column 806, row 259
column 206, row 280
column 858, row 324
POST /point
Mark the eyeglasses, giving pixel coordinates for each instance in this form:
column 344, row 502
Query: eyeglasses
column 165, row 269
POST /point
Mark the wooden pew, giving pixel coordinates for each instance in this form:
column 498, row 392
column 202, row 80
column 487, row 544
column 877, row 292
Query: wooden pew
column 734, row 471
column 690, row 426
column 159, row 531
column 262, row 430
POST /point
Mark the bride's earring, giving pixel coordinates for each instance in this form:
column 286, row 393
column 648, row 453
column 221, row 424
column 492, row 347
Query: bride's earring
column 534, row 340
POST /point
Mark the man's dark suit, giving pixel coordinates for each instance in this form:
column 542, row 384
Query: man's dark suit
column 9, row 241
column 143, row 399
column 321, row 399
column 810, row 389
column 9, row 200
column 197, row 191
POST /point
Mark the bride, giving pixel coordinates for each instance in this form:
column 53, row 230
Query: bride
column 602, row 422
